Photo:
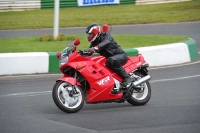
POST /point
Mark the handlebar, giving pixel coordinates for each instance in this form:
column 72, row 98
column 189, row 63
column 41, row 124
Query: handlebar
column 84, row 53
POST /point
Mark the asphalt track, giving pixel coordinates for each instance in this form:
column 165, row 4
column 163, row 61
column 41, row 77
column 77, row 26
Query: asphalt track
column 26, row 105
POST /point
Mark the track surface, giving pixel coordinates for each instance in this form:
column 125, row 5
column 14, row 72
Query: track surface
column 26, row 104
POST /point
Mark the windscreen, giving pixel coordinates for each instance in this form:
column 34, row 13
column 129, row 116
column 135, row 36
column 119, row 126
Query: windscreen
column 68, row 49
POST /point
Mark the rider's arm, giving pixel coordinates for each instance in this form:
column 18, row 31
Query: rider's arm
column 106, row 41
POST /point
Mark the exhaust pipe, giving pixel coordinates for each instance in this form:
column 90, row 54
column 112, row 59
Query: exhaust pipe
column 142, row 80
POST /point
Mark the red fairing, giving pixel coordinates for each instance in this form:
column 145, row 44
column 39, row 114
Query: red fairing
column 70, row 80
column 101, row 82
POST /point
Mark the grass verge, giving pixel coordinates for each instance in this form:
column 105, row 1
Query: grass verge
column 113, row 15
column 32, row 44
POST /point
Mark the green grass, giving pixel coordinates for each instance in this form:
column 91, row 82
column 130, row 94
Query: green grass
column 32, row 44
column 113, row 15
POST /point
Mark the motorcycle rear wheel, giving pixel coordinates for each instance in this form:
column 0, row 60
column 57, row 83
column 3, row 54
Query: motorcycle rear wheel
column 141, row 97
column 64, row 100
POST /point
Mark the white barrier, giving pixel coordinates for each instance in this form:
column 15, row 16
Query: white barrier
column 41, row 62
column 19, row 5
column 166, row 54
column 24, row 63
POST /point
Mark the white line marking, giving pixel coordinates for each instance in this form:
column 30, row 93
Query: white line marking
column 29, row 75
column 187, row 64
column 28, row 94
column 163, row 80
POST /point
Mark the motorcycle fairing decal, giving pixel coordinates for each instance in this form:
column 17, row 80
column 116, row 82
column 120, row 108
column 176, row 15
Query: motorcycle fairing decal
column 70, row 80
column 139, row 64
column 103, row 81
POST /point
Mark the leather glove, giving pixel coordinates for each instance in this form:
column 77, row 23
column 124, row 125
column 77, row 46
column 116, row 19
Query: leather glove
column 93, row 49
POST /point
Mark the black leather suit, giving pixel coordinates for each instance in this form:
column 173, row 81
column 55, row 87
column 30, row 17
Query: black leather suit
column 115, row 55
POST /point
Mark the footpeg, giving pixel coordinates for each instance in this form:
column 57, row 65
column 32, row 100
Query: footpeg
column 115, row 91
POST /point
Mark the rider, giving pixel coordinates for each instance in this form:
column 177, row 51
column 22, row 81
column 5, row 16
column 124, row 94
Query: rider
column 104, row 44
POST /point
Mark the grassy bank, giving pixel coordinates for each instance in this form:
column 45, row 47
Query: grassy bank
column 113, row 15
column 32, row 44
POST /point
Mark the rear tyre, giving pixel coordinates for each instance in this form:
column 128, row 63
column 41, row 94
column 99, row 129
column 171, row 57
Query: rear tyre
column 67, row 97
column 140, row 96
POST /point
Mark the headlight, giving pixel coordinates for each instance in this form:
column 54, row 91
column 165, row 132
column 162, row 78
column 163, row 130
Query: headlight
column 63, row 60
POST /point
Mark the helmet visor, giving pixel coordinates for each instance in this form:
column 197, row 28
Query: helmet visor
column 90, row 36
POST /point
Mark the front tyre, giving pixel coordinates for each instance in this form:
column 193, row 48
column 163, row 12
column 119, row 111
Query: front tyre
column 67, row 97
column 140, row 96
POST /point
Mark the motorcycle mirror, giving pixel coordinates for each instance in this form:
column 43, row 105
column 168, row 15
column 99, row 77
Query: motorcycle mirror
column 77, row 42
column 58, row 55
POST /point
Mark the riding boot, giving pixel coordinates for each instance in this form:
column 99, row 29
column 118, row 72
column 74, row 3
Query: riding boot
column 125, row 78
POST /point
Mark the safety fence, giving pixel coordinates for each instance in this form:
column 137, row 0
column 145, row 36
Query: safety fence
column 20, row 5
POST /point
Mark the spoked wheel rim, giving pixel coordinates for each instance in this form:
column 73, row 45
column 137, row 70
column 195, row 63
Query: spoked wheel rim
column 65, row 99
column 142, row 94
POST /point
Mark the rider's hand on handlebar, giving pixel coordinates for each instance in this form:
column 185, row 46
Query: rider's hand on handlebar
column 84, row 53
column 93, row 49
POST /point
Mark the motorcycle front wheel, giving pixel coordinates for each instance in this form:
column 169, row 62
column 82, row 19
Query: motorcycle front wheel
column 140, row 96
column 67, row 97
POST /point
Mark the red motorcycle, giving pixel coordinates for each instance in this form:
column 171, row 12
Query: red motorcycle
column 88, row 79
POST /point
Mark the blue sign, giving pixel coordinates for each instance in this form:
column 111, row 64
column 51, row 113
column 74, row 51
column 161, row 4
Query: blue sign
column 96, row 2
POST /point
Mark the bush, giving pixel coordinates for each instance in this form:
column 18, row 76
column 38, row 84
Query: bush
column 61, row 37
